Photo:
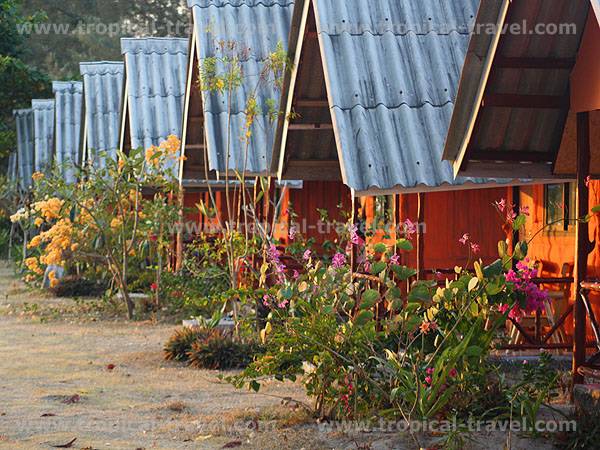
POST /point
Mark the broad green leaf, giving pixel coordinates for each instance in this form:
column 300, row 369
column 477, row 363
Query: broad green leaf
column 521, row 250
column 380, row 248
column 493, row 270
column 403, row 272
column 519, row 222
column 404, row 244
column 378, row 267
column 419, row 293
column 369, row 298
column 363, row 317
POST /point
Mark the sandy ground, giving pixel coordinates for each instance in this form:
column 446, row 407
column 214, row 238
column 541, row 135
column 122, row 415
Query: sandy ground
column 57, row 383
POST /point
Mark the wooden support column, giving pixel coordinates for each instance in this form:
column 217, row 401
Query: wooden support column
column 420, row 235
column 180, row 231
column 583, row 245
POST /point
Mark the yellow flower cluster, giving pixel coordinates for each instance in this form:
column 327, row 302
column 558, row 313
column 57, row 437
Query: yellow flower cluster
column 34, row 265
column 49, row 209
column 166, row 149
column 37, row 176
column 21, row 214
column 58, row 239
column 53, row 279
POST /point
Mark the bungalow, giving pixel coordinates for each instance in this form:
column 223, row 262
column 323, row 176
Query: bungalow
column 366, row 110
column 219, row 142
column 43, row 134
column 155, row 74
column 102, row 94
column 67, row 136
column 528, row 106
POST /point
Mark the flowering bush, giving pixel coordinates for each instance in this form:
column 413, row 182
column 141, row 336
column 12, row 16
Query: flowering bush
column 103, row 224
column 383, row 341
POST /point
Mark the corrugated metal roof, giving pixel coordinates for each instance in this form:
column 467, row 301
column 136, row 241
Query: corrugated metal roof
column 68, row 96
column 156, row 70
column 393, row 72
column 43, row 132
column 25, row 152
column 103, row 93
column 256, row 27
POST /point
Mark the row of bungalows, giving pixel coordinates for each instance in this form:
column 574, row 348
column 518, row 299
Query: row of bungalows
column 364, row 112
column 382, row 112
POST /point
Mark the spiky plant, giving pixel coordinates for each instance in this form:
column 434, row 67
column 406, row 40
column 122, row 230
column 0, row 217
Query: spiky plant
column 180, row 343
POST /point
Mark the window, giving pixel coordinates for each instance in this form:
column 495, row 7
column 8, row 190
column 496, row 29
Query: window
column 559, row 206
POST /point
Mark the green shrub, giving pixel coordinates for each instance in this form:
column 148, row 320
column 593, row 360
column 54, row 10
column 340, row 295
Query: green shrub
column 180, row 343
column 73, row 286
column 219, row 351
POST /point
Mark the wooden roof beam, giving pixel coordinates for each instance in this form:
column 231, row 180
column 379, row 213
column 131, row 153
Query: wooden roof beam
column 308, row 103
column 510, row 155
column 525, row 101
column 506, row 62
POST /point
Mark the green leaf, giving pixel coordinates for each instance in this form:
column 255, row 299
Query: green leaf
column 519, row 222
column 394, row 293
column 521, row 250
column 286, row 293
column 369, row 298
column 363, row 317
column 378, row 267
column 255, row 385
column 328, row 309
column 419, row 293
column 380, row 248
column 596, row 209
column 403, row 272
column 493, row 288
column 502, row 249
column 493, row 270
column 404, row 244
column 474, row 350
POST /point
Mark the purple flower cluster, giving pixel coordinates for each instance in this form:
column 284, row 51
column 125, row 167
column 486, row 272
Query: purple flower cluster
column 274, row 258
column 523, row 284
column 339, row 261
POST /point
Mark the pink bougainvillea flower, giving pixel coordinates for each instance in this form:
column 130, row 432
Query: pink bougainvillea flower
column 501, row 205
column 395, row 260
column 292, row 233
column 475, row 248
column 266, row 299
column 428, row 380
column 524, row 210
column 410, row 228
column 338, row 261
column 307, row 255
column 453, row 372
column 296, row 275
column 154, row 286
column 367, row 266
column 430, row 371
column 283, row 304
column 464, row 239
column 354, row 236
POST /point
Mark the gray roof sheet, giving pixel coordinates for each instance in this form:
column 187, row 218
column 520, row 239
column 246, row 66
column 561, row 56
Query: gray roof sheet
column 43, row 132
column 68, row 96
column 25, row 152
column 394, row 69
column 156, row 71
column 256, row 27
column 11, row 170
column 103, row 93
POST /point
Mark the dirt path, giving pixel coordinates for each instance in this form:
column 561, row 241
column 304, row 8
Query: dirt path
column 143, row 402
column 57, row 383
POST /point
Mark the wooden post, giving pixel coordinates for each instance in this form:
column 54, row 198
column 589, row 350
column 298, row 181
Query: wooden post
column 180, row 231
column 420, row 233
column 583, row 245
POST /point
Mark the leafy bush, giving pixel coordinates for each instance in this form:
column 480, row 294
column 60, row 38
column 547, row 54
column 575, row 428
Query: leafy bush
column 219, row 351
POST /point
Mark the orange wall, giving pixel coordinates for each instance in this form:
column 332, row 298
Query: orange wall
column 585, row 79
